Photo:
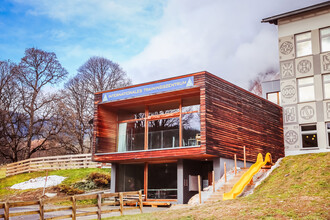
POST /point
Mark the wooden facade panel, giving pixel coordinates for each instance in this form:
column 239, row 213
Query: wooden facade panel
column 237, row 118
column 106, row 132
column 230, row 119
column 178, row 153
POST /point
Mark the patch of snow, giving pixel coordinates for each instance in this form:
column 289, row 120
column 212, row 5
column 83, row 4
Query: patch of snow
column 39, row 182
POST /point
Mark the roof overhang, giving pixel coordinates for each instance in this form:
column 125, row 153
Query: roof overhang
column 274, row 19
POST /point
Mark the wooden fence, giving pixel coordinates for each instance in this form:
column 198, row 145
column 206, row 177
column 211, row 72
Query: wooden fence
column 51, row 163
column 116, row 204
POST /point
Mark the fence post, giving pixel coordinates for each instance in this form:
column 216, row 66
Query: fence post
column 121, row 201
column 235, row 165
column 199, row 189
column 225, row 171
column 213, row 183
column 41, row 209
column 140, row 201
column 6, row 211
column 74, row 208
column 99, row 204
column 29, row 166
column 244, row 158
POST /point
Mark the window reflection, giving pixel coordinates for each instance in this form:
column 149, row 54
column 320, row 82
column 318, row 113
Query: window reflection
column 306, row 89
column 163, row 133
column 191, row 129
column 303, row 44
column 131, row 136
column 164, row 108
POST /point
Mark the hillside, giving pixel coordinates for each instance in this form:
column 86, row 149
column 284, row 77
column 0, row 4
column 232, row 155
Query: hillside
column 298, row 189
column 73, row 176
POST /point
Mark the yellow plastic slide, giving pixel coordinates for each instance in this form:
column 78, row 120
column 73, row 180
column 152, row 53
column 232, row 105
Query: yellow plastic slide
column 247, row 177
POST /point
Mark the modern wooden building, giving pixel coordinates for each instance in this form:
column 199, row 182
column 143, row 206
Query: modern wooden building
column 158, row 135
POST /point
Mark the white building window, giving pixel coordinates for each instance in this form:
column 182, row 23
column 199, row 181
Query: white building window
column 274, row 97
column 303, row 44
column 325, row 39
column 326, row 86
column 309, row 136
column 328, row 132
column 306, row 89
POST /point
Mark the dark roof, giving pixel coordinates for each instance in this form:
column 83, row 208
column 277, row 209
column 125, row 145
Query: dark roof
column 274, row 19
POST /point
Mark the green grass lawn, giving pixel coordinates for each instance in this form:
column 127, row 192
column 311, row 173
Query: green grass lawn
column 73, row 175
column 298, row 189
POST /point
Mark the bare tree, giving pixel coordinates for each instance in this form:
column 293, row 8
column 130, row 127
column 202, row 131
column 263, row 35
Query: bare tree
column 37, row 69
column 96, row 74
column 102, row 74
column 255, row 85
column 79, row 110
column 12, row 128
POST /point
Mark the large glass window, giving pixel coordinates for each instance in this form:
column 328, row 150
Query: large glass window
column 131, row 136
column 326, row 86
column 137, row 112
column 325, row 39
column 306, row 89
column 309, row 136
column 130, row 177
column 164, row 123
column 164, row 108
column 303, row 44
column 191, row 129
column 162, row 181
column 274, row 97
column 163, row 133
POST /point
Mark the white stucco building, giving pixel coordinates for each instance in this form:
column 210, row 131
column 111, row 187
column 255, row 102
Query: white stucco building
column 304, row 86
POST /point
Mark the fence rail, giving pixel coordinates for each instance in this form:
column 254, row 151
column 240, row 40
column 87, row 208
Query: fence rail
column 51, row 163
column 101, row 207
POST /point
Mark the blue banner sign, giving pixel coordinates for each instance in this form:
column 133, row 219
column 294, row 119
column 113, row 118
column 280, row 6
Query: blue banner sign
column 149, row 89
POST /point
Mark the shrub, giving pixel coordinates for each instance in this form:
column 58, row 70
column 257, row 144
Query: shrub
column 69, row 190
column 85, row 185
column 100, row 179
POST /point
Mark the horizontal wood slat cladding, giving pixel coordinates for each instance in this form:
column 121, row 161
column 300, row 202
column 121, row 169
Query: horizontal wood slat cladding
column 237, row 118
column 144, row 156
column 231, row 118
column 105, row 125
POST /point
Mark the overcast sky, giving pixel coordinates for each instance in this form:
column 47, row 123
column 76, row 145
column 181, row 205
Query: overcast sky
column 150, row 39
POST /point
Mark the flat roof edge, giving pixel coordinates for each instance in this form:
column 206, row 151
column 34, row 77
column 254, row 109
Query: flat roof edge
column 274, row 19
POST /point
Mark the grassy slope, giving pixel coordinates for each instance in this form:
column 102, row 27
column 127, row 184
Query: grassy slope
column 73, row 176
column 298, row 189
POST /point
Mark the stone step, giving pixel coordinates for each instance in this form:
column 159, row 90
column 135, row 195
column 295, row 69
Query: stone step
column 218, row 195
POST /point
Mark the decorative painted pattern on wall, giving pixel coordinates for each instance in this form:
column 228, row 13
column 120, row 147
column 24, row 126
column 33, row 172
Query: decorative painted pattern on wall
column 325, row 63
column 289, row 91
column 327, row 110
column 307, row 112
column 287, row 69
column 286, row 48
column 291, row 137
column 304, row 66
column 290, row 114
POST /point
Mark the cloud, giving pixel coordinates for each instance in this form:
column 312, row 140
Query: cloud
column 225, row 38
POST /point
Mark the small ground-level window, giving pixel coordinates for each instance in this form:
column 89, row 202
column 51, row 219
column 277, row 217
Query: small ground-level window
column 328, row 132
column 306, row 89
column 326, row 82
column 309, row 136
column 303, row 44
column 274, row 97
